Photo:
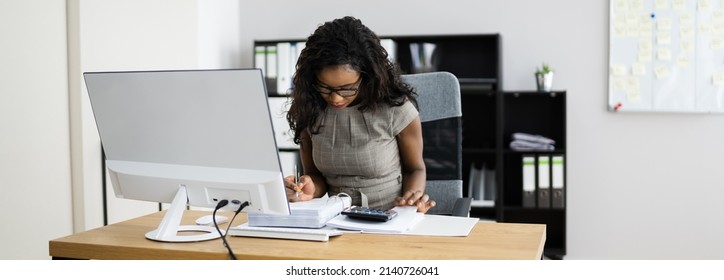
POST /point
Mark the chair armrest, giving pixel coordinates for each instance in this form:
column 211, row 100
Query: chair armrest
column 462, row 207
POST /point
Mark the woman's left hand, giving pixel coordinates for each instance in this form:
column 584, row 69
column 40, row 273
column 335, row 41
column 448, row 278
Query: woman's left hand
column 416, row 198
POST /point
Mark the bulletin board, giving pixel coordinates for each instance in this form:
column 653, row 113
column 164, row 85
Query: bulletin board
column 666, row 56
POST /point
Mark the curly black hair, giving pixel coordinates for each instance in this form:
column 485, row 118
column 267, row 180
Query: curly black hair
column 344, row 41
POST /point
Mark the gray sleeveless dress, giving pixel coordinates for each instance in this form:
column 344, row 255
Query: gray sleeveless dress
column 358, row 154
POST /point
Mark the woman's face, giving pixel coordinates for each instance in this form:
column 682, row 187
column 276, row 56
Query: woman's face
column 338, row 85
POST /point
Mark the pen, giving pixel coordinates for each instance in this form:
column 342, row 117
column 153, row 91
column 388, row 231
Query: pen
column 296, row 182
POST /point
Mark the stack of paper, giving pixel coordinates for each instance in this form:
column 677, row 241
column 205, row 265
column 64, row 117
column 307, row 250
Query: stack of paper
column 407, row 218
column 307, row 214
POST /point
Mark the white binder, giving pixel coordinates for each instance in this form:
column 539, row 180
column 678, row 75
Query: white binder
column 529, row 197
column 544, row 183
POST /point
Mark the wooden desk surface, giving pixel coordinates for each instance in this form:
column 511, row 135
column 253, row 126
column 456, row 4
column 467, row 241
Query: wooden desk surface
column 126, row 240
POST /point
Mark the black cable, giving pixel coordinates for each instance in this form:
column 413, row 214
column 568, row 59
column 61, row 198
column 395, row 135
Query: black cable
column 241, row 207
column 219, row 205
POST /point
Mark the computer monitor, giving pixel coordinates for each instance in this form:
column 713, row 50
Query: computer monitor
column 189, row 137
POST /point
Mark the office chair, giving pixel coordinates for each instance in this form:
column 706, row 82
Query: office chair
column 441, row 115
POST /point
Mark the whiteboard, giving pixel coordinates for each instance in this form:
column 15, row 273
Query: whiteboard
column 666, row 56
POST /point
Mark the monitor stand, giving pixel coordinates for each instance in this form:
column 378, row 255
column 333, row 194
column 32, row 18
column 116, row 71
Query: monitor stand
column 170, row 227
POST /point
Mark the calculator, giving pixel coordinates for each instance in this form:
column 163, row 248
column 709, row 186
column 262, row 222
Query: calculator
column 370, row 214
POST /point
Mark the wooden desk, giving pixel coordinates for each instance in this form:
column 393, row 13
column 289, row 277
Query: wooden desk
column 125, row 240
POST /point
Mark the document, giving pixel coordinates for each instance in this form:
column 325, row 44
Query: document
column 544, row 183
column 529, row 196
column 558, row 182
column 438, row 225
column 306, row 214
column 407, row 218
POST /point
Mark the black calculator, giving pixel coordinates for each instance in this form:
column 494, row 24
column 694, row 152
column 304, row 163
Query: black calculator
column 364, row 213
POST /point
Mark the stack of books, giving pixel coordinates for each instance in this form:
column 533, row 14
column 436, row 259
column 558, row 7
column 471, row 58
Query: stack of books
column 306, row 214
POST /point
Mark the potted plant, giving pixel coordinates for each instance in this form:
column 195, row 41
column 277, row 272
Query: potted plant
column 544, row 77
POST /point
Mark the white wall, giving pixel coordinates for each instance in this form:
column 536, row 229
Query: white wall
column 35, row 199
column 641, row 186
column 45, row 113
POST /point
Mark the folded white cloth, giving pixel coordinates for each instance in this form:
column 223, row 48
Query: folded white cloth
column 533, row 138
column 522, row 145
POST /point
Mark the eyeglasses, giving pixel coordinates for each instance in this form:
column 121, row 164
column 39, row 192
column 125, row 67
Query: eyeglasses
column 342, row 92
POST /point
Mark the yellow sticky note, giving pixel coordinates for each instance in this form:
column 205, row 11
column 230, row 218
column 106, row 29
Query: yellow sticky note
column 618, row 70
column 661, row 72
column 663, row 24
column 682, row 61
column 621, row 5
column 645, row 56
column 663, row 54
column 704, row 5
column 716, row 43
column 633, row 83
column 687, row 45
column 619, row 84
column 678, row 5
column 661, row 4
column 686, row 20
column 663, row 38
column 636, row 5
column 686, row 33
column 638, row 69
column 645, row 45
column 705, row 28
column 718, row 79
column 633, row 95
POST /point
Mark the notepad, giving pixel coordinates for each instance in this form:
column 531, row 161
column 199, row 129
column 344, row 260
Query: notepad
column 321, row 234
column 306, row 214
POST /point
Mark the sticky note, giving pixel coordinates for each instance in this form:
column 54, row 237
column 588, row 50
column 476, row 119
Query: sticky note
column 621, row 5
column 663, row 38
column 718, row 79
column 686, row 20
column 716, row 43
column 661, row 4
column 663, row 24
column 645, row 45
column 682, row 61
column 664, row 54
column 645, row 56
column 619, row 84
column 704, row 5
column 678, row 5
column 687, row 45
column 686, row 33
column 638, row 69
column 661, row 72
column 618, row 70
column 633, row 95
column 636, row 5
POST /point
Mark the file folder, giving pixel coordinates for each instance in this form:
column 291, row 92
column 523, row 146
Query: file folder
column 529, row 197
column 284, row 72
column 271, row 67
column 558, row 182
column 260, row 58
column 544, row 183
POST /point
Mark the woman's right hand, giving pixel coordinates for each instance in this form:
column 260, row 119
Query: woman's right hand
column 302, row 191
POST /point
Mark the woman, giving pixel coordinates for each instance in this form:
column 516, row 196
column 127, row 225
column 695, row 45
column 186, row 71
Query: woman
column 356, row 122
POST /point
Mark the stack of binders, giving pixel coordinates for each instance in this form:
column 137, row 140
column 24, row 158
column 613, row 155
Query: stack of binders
column 307, row 214
column 543, row 181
